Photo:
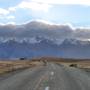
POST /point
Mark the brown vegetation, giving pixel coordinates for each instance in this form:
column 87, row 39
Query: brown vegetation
column 9, row 66
column 79, row 63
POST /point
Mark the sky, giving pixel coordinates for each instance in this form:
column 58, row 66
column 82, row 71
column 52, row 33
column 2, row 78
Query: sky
column 74, row 12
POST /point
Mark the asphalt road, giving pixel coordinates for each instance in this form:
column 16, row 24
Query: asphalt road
column 50, row 77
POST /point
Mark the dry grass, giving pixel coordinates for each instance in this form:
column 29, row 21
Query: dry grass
column 9, row 66
column 79, row 64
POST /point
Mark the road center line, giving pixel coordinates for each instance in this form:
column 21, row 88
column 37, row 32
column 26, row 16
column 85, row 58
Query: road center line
column 52, row 73
column 47, row 88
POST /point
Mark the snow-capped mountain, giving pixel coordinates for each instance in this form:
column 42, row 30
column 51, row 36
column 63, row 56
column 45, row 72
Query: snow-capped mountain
column 75, row 49
column 69, row 48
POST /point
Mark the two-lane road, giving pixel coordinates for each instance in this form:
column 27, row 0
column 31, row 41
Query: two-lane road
column 50, row 77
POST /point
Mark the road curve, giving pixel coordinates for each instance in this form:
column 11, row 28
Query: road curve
column 50, row 77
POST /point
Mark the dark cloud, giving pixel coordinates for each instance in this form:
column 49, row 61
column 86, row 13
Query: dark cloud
column 44, row 30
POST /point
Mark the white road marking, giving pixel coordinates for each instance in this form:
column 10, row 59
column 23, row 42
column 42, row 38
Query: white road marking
column 47, row 88
column 52, row 73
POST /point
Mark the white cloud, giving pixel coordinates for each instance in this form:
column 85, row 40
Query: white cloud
column 44, row 21
column 6, row 17
column 3, row 11
column 12, row 23
column 10, row 17
column 43, row 5
column 5, row 14
column 4, row 24
column 1, row 24
column 70, row 25
column 81, row 2
column 35, row 6
column 12, row 9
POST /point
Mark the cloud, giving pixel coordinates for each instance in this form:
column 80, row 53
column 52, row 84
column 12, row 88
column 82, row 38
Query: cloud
column 45, row 5
column 10, row 17
column 34, row 6
column 82, row 33
column 12, row 23
column 3, row 12
column 12, row 9
column 8, row 23
column 5, row 16
column 79, row 2
column 44, row 21
column 51, row 31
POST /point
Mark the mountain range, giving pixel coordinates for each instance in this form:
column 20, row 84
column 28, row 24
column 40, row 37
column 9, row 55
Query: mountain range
column 69, row 48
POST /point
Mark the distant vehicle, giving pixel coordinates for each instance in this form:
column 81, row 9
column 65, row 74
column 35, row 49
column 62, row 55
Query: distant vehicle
column 73, row 65
column 23, row 58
